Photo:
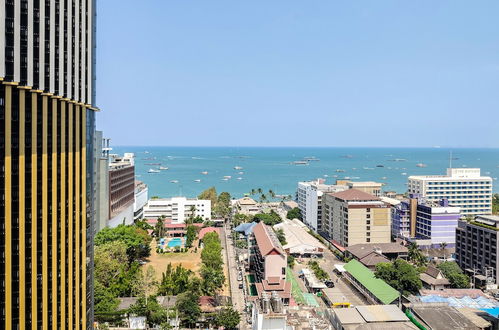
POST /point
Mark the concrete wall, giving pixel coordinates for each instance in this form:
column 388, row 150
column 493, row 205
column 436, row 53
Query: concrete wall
column 274, row 265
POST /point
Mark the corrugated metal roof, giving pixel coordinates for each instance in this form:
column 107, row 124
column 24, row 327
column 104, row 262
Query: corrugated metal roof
column 382, row 313
column 382, row 291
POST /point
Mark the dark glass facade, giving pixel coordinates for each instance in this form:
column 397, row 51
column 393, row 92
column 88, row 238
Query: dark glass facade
column 47, row 125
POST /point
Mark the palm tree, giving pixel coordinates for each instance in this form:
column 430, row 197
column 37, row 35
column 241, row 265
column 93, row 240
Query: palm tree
column 271, row 193
column 443, row 245
column 259, row 190
column 253, row 191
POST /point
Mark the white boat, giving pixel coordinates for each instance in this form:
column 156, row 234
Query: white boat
column 239, row 178
column 174, row 181
column 204, row 172
column 421, row 165
column 240, row 173
column 197, row 180
column 163, row 168
column 238, row 168
column 384, row 178
column 312, row 158
column 340, row 171
column 325, row 175
column 403, row 173
column 300, row 162
column 151, row 170
column 347, row 178
column 227, row 177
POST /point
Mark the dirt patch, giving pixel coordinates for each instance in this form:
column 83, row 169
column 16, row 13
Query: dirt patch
column 189, row 260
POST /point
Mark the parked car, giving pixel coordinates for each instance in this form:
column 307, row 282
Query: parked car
column 239, row 277
column 329, row 284
column 240, row 286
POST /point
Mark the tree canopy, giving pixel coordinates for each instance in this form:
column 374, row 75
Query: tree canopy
column 188, row 307
column 401, row 275
column 294, row 213
column 228, row 318
column 136, row 239
column 270, row 219
column 454, row 274
column 209, row 194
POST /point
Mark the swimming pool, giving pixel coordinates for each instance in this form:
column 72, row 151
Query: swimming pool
column 175, row 242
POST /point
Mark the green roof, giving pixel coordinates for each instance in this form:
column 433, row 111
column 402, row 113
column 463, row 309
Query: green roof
column 382, row 291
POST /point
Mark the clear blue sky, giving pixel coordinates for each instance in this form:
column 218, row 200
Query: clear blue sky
column 298, row 73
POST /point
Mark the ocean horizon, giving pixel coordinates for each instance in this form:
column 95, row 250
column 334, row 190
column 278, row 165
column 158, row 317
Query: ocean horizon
column 237, row 170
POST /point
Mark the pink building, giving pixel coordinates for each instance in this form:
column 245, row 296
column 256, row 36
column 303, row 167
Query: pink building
column 268, row 262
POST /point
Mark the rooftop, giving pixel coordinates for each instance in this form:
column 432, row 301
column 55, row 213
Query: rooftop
column 266, row 240
column 382, row 291
column 297, row 236
column 355, row 195
column 442, row 317
column 362, row 250
column 246, row 201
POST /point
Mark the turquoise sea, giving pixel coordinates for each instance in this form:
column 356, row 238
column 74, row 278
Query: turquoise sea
column 273, row 168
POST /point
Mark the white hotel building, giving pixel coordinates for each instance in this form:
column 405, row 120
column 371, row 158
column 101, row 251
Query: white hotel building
column 309, row 198
column 463, row 187
column 177, row 208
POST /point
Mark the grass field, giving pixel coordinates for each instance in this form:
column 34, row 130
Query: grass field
column 189, row 260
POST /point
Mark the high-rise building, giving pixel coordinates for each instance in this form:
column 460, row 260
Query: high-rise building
column 121, row 189
column 431, row 223
column 47, row 124
column 463, row 187
column 309, row 198
column 355, row 217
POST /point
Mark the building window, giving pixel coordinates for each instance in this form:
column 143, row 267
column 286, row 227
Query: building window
column 283, row 271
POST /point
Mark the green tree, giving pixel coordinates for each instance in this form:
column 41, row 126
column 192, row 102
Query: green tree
column 399, row 274
column 291, row 261
column 104, row 300
column 142, row 224
column 188, row 307
column 175, row 280
column 416, row 256
column 110, row 260
column 239, row 218
column 281, row 236
column 270, row 219
column 223, row 205
column 294, row 213
column 190, row 235
column 151, row 309
column 228, row 318
column 136, row 239
column 213, row 279
column 495, row 204
column 209, row 194
column 454, row 274
column 211, row 255
column 159, row 229
column 320, row 273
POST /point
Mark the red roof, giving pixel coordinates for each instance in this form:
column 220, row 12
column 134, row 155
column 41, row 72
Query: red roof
column 355, row 195
column 207, row 230
column 265, row 243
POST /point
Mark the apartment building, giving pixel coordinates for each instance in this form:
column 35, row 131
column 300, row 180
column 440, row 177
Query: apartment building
column 421, row 219
column 121, row 189
column 268, row 262
column 463, row 187
column 355, row 217
column 477, row 245
column 309, row 197
column 140, row 199
column 47, row 126
column 178, row 209
column 370, row 187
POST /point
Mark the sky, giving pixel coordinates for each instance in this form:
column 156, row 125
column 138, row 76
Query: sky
column 298, row 73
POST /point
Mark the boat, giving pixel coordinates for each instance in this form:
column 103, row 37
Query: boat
column 398, row 160
column 174, row 181
column 403, row 173
column 300, row 162
column 238, row 168
column 313, row 159
column 197, row 180
column 204, row 172
column 151, row 170
column 384, row 178
column 163, row 168
column 380, row 165
column 421, row 165
column 227, row 177
column 340, row 171
column 347, row 156
column 335, row 176
column 153, row 164
column 240, row 173
column 368, row 168
column 239, row 178
column 326, row 176
column 347, row 178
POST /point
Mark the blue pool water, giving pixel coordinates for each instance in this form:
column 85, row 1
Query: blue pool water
column 175, row 242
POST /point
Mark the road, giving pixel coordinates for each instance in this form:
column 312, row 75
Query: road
column 237, row 294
